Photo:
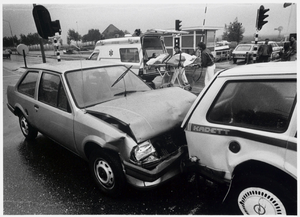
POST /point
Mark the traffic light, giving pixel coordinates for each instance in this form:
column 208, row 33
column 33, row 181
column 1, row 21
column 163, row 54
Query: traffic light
column 261, row 16
column 176, row 42
column 45, row 27
column 177, row 25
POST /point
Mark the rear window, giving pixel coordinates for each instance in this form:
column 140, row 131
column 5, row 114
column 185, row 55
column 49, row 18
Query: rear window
column 264, row 105
column 153, row 46
column 243, row 48
column 27, row 85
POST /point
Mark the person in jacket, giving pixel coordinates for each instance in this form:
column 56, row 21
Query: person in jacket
column 207, row 62
column 285, row 54
column 293, row 48
column 265, row 51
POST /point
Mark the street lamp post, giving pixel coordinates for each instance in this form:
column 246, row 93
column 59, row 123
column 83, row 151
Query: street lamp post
column 10, row 32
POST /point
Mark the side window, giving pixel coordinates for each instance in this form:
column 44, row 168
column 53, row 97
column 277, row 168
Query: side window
column 129, row 55
column 94, row 56
column 264, row 105
column 63, row 103
column 27, row 85
column 52, row 93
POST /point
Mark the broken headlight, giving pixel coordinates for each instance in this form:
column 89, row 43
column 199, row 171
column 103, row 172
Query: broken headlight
column 144, row 153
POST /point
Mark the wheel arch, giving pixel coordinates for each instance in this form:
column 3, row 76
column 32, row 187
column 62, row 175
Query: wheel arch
column 92, row 146
column 19, row 110
column 264, row 169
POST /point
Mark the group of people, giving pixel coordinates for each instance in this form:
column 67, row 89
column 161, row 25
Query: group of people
column 208, row 66
column 289, row 52
column 206, row 62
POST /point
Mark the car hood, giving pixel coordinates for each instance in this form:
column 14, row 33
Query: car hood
column 149, row 113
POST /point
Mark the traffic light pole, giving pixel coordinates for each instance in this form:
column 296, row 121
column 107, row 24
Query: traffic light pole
column 260, row 21
column 255, row 47
column 42, row 50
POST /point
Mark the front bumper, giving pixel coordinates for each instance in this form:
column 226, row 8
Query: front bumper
column 141, row 178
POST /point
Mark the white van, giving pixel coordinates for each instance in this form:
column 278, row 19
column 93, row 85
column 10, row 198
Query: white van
column 132, row 51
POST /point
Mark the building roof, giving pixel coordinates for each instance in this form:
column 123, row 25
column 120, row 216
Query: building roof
column 195, row 28
column 110, row 28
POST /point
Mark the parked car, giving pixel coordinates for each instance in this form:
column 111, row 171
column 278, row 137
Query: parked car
column 107, row 115
column 242, row 52
column 7, row 53
column 242, row 131
column 245, row 51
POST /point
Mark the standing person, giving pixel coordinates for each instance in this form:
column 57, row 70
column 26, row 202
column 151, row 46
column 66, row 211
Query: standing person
column 293, row 48
column 265, row 51
column 285, row 55
column 179, row 69
column 207, row 62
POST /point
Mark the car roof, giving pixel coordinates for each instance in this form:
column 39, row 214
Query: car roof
column 64, row 66
column 270, row 68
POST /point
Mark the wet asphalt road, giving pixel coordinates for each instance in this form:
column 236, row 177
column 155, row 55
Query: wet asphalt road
column 41, row 177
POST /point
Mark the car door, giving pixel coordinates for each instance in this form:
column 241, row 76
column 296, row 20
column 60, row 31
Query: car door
column 53, row 112
column 25, row 95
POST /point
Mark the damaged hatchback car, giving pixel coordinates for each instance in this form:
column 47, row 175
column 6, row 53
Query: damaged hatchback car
column 107, row 115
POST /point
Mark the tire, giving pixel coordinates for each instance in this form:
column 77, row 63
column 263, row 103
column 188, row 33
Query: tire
column 107, row 171
column 28, row 131
column 234, row 60
column 260, row 195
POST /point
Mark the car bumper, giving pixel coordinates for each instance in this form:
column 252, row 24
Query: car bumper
column 210, row 174
column 143, row 178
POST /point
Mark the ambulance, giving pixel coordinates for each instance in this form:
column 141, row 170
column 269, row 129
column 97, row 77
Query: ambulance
column 134, row 51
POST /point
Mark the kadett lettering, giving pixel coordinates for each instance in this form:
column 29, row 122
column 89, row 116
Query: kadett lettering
column 210, row 130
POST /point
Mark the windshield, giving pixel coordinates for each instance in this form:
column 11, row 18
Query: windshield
column 93, row 86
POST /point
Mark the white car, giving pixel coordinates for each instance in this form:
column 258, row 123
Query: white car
column 242, row 131
column 242, row 52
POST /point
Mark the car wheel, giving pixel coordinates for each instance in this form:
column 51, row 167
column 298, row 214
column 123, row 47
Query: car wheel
column 259, row 195
column 107, row 172
column 28, row 131
column 234, row 60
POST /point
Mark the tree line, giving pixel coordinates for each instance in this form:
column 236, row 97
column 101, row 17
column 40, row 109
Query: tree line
column 33, row 38
column 232, row 32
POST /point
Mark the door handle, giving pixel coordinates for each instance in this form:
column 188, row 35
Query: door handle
column 36, row 107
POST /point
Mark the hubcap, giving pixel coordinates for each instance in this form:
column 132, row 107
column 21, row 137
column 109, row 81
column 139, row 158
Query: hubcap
column 258, row 201
column 104, row 174
column 24, row 125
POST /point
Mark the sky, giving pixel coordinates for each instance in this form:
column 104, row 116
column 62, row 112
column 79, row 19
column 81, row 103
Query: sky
column 131, row 15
